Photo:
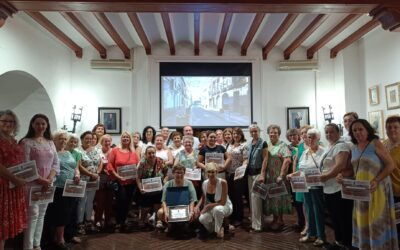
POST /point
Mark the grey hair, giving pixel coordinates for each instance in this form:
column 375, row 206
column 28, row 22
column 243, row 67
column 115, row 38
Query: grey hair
column 10, row 112
column 274, row 126
column 74, row 136
column 60, row 132
column 188, row 137
column 314, row 131
column 254, row 125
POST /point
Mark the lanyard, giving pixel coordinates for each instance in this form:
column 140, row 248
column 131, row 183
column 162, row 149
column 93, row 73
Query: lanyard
column 359, row 159
column 327, row 153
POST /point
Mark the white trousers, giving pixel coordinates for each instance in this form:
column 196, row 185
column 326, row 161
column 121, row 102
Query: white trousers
column 212, row 220
column 33, row 234
column 255, row 205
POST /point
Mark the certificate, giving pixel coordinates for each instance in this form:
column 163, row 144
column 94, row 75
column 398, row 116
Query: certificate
column 92, row 185
column 356, row 190
column 36, row 196
column 260, row 189
column 178, row 213
column 127, row 171
column 313, row 177
column 152, row 184
column 276, row 190
column 217, row 158
column 26, row 171
column 193, row 174
column 397, row 212
column 71, row 189
column 239, row 173
column 299, row 184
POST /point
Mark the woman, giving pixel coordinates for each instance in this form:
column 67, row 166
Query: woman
column 334, row 161
column 176, row 145
column 313, row 200
column 122, row 156
column 13, row 210
column 188, row 158
column 348, row 118
column 239, row 153
column 278, row 163
column 98, row 131
column 256, row 170
column 227, row 136
column 393, row 145
column 162, row 152
column 148, row 137
column 203, row 139
column 371, row 162
column 211, row 148
column 90, row 168
column 214, row 205
column 94, row 140
column 137, row 143
column 60, row 210
column 104, row 195
column 38, row 146
column 149, row 167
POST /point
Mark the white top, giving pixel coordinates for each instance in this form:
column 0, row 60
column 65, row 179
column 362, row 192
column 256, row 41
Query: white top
column 307, row 162
column 332, row 186
column 174, row 150
column 163, row 154
column 218, row 192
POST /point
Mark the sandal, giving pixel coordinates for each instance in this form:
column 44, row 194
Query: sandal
column 307, row 239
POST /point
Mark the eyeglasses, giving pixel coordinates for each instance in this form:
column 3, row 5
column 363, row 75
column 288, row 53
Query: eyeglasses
column 6, row 121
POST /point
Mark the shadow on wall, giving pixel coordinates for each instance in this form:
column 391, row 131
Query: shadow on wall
column 26, row 96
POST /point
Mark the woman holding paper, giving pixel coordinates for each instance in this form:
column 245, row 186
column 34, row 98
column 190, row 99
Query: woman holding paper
column 214, row 205
column 239, row 153
column 38, row 146
column 60, row 210
column 123, row 157
column 334, row 161
column 149, row 167
column 374, row 224
column 13, row 203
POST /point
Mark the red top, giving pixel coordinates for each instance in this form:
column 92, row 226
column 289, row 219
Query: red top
column 117, row 158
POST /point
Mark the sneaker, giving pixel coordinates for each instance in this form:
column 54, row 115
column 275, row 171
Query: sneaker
column 304, row 232
column 319, row 242
column 159, row 225
column 307, row 239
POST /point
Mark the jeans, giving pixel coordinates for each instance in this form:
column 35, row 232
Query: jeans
column 85, row 206
column 314, row 203
column 33, row 234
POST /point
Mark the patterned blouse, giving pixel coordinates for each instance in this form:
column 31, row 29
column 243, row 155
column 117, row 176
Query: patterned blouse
column 90, row 160
column 239, row 154
column 145, row 170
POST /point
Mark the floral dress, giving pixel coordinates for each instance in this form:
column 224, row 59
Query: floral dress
column 13, row 209
column 282, row 204
column 90, row 160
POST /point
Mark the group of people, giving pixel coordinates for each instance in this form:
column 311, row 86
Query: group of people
column 216, row 199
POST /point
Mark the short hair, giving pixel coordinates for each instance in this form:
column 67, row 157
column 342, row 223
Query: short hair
column 307, row 127
column 209, row 132
column 149, row 147
column 211, row 166
column 59, row 132
column 274, row 126
column 334, row 126
column 188, row 137
column 178, row 167
column 239, row 131
column 292, row 131
column 176, row 133
column 99, row 125
column 370, row 130
column 11, row 113
column 392, row 119
column 85, row 134
column 353, row 114
column 144, row 134
column 158, row 135
column 254, row 125
column 137, row 133
column 105, row 136
column 314, row 131
column 73, row 136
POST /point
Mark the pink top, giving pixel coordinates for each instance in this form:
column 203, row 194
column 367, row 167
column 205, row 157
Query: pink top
column 45, row 155
column 117, row 159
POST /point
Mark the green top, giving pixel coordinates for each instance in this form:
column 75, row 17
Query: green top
column 186, row 183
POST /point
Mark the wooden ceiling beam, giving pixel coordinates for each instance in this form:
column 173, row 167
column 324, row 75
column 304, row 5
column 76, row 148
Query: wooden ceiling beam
column 221, row 6
column 354, row 37
column 287, row 22
column 43, row 21
column 259, row 17
column 168, row 31
column 140, row 31
column 388, row 16
column 318, row 20
column 103, row 20
column 6, row 10
column 224, row 32
column 196, row 34
column 346, row 22
column 77, row 24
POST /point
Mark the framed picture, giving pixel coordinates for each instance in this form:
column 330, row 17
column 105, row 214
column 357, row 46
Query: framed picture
column 297, row 117
column 111, row 118
column 373, row 93
column 393, row 95
column 375, row 118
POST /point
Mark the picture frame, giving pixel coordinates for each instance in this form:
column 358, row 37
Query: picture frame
column 375, row 118
column 297, row 117
column 373, row 94
column 393, row 95
column 111, row 118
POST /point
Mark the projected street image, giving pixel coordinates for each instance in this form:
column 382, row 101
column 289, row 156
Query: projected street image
column 205, row 101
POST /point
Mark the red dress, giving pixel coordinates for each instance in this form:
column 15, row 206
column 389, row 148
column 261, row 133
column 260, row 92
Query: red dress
column 13, row 207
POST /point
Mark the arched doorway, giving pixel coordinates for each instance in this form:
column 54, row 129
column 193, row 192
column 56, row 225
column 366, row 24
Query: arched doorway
column 26, row 96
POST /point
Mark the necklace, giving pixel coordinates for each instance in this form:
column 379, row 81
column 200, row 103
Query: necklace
column 390, row 145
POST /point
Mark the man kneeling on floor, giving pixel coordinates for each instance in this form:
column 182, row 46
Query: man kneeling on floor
column 178, row 199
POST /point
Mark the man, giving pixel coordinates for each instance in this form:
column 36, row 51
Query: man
column 348, row 118
column 188, row 130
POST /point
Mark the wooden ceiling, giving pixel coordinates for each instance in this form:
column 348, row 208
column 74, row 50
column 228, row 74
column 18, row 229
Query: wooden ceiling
column 287, row 24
